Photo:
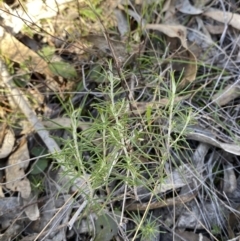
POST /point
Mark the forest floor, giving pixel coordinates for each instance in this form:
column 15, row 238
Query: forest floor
column 120, row 120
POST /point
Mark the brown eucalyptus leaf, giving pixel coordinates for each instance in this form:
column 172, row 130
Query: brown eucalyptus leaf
column 229, row 18
column 48, row 210
column 7, row 143
column 15, row 170
column 14, row 50
column 190, row 71
column 173, row 31
column 215, row 29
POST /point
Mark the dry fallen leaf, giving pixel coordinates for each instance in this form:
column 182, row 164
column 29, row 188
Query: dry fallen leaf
column 15, row 170
column 206, row 136
column 173, row 31
column 215, row 29
column 198, row 215
column 184, row 6
column 226, row 95
column 230, row 179
column 7, row 143
column 17, row 181
column 14, row 50
column 64, row 122
column 176, row 179
column 170, row 12
column 32, row 210
column 229, row 18
column 202, row 45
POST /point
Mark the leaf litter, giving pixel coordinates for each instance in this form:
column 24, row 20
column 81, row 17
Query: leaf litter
column 189, row 182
